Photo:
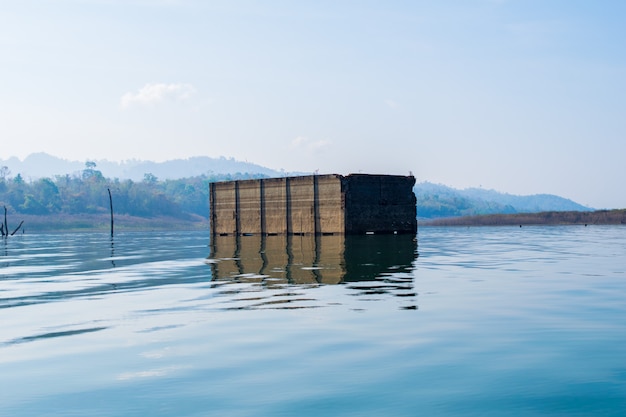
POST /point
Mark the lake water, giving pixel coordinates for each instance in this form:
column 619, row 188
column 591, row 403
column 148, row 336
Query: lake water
column 462, row 321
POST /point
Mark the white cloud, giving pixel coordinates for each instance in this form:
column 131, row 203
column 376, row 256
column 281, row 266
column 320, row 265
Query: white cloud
column 319, row 145
column 302, row 142
column 298, row 141
column 152, row 94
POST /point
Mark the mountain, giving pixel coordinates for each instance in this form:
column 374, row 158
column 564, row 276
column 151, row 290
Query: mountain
column 527, row 204
column 40, row 165
column 435, row 201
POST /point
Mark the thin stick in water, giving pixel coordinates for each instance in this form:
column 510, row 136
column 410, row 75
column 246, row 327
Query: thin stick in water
column 111, row 205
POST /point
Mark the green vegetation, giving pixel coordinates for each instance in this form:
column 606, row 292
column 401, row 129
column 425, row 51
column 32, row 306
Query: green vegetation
column 82, row 201
column 437, row 201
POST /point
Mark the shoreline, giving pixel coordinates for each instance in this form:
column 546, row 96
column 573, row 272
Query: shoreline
column 548, row 218
column 79, row 223
column 123, row 223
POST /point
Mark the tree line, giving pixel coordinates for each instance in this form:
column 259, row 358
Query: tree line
column 451, row 204
column 86, row 193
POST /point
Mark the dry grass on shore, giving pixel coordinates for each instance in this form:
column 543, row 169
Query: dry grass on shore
column 102, row 223
column 601, row 217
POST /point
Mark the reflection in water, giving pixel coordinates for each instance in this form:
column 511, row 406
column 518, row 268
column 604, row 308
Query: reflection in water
column 248, row 272
column 158, row 334
column 5, row 252
column 370, row 264
column 112, row 252
column 52, row 335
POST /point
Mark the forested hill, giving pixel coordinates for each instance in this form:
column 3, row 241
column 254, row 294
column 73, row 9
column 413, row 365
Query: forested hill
column 43, row 165
column 85, row 193
column 438, row 201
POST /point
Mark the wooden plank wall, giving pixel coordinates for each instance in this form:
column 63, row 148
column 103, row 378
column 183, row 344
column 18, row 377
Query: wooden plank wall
column 304, row 205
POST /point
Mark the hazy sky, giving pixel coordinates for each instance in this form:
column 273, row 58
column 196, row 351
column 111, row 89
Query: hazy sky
column 521, row 96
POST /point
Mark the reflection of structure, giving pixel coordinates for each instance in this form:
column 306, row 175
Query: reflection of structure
column 315, row 205
column 311, row 259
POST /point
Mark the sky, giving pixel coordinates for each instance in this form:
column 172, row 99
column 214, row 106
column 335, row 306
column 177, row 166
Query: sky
column 521, row 96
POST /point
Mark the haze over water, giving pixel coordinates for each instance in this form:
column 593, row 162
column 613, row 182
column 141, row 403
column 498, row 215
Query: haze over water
column 462, row 321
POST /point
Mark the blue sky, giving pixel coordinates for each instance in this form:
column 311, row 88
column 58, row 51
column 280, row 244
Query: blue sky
column 520, row 96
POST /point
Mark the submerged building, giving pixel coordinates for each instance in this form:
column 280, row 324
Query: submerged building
column 314, row 204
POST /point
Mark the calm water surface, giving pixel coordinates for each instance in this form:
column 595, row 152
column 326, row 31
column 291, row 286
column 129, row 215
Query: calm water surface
column 483, row 322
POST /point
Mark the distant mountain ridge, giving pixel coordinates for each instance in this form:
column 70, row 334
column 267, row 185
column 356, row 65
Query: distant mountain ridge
column 41, row 165
column 433, row 200
column 436, row 201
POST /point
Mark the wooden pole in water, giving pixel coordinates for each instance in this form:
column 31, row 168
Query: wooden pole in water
column 6, row 226
column 17, row 228
column 111, row 205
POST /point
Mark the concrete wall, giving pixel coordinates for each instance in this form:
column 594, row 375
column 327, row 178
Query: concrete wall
column 275, row 213
column 302, row 217
column 249, row 207
column 380, row 204
column 224, row 207
column 331, row 204
column 314, row 205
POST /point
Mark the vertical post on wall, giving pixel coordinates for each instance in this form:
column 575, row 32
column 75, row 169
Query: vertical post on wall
column 212, row 208
column 288, row 205
column 237, row 210
column 317, row 229
column 262, row 208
